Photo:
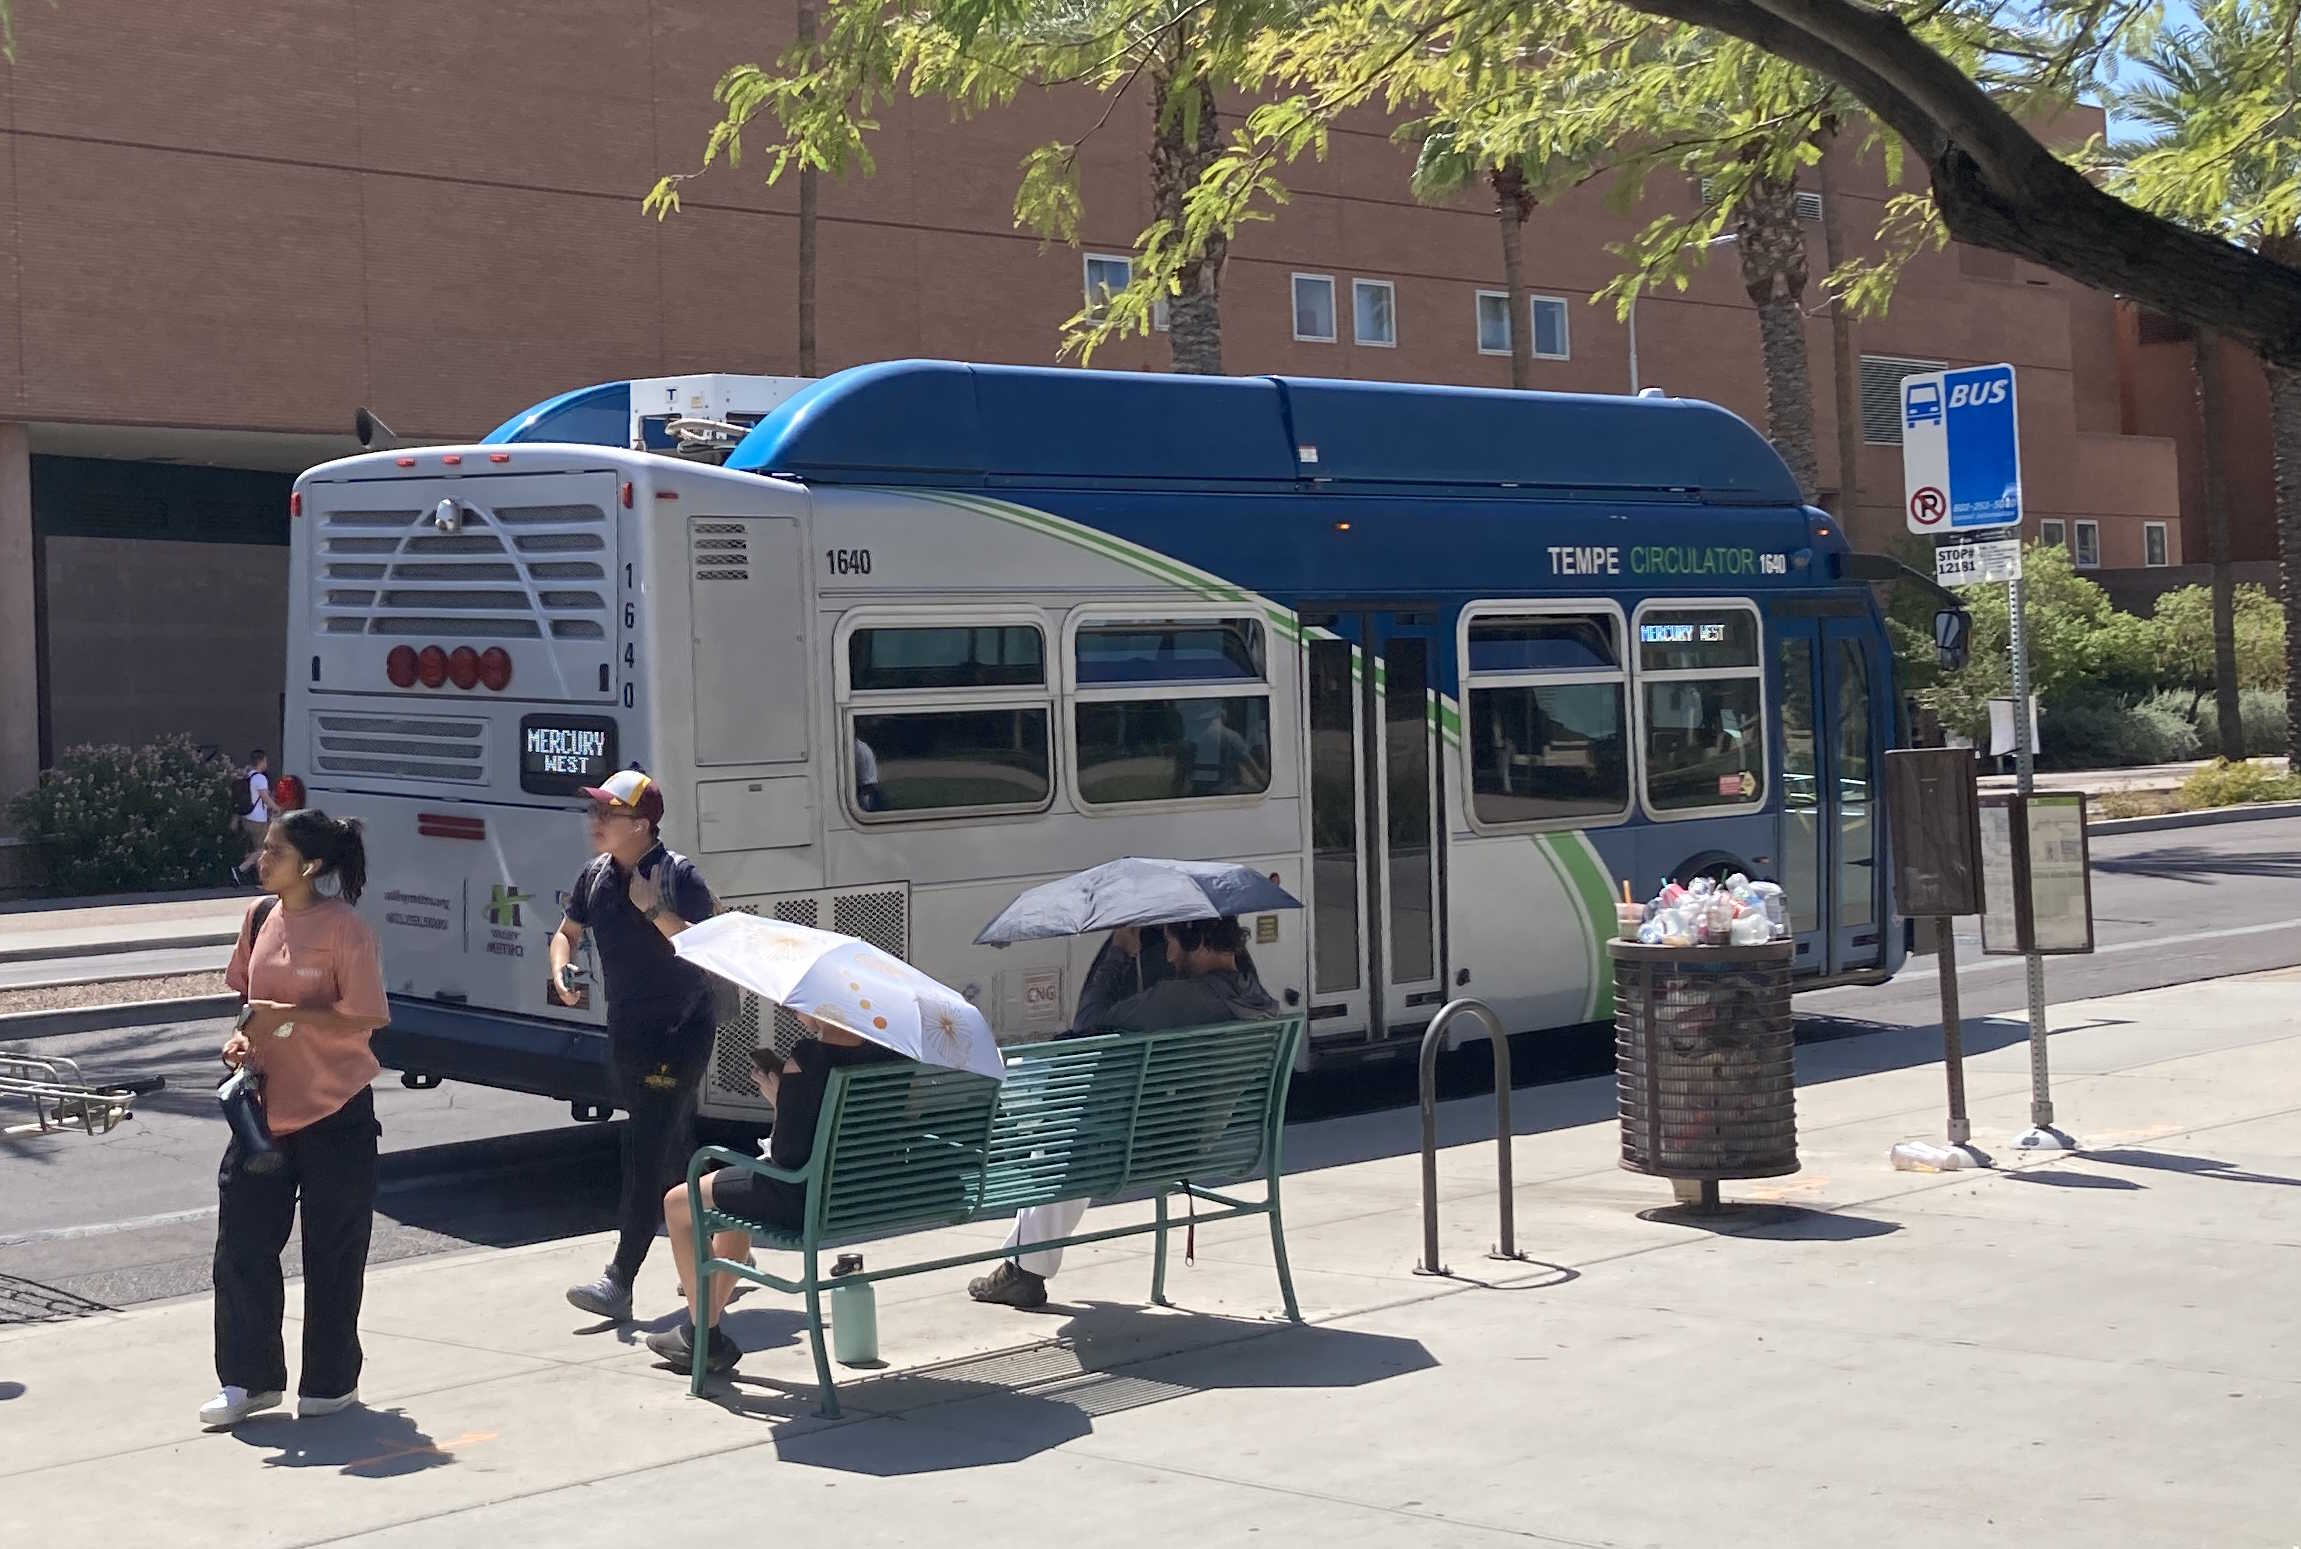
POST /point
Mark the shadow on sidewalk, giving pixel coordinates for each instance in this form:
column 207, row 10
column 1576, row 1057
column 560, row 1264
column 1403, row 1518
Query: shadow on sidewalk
column 359, row 1443
column 1019, row 1403
column 2054, row 1177
column 1772, row 1223
column 2193, row 1166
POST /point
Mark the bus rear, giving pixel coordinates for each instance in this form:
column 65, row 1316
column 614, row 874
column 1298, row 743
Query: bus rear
column 466, row 623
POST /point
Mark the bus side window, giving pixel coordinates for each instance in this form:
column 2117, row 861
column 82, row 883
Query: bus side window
column 1548, row 702
column 1702, row 686
column 948, row 719
column 1172, row 710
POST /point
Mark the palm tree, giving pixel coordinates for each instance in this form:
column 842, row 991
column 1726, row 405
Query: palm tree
column 807, row 195
column 1184, row 143
column 1443, row 169
column 1772, row 250
column 2211, row 100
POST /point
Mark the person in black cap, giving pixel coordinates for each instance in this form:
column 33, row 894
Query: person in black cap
column 632, row 899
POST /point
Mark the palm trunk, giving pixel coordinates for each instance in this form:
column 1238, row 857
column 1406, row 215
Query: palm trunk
column 2285, row 446
column 2206, row 347
column 1183, row 145
column 807, row 191
column 1845, row 388
column 1513, row 204
column 1773, row 255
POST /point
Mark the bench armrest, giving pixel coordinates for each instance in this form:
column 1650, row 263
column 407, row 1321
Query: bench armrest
column 751, row 1164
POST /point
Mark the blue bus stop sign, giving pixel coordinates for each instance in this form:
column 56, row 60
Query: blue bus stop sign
column 1961, row 450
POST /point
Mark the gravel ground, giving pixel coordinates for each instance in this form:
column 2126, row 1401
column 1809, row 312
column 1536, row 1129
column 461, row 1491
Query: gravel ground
column 56, row 997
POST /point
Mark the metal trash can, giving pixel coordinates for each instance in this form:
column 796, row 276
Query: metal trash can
column 1704, row 1062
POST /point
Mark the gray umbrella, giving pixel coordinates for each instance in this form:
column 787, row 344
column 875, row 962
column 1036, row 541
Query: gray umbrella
column 1136, row 891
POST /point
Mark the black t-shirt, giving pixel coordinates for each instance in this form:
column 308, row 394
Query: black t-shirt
column 650, row 989
column 799, row 1100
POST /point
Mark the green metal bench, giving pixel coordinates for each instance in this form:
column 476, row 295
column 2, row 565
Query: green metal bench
column 909, row 1148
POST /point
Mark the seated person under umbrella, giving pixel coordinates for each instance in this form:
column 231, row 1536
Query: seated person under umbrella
column 1208, row 981
column 796, row 1091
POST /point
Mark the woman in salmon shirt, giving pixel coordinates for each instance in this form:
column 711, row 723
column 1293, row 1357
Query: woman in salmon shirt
column 314, row 984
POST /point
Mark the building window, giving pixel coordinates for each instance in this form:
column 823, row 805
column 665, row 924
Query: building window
column 1549, row 713
column 2053, row 531
column 1493, row 322
column 1171, row 710
column 2087, row 555
column 1314, row 308
column 948, row 719
column 1374, row 312
column 2155, row 545
column 1162, row 316
column 1702, row 693
column 1551, row 341
column 1106, row 277
column 1882, row 395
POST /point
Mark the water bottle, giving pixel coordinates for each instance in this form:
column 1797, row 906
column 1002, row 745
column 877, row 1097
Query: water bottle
column 854, row 1315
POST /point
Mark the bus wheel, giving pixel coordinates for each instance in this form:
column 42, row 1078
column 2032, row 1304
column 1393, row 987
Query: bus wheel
column 1714, row 864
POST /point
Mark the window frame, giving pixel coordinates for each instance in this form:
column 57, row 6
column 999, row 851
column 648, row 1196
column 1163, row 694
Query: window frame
column 1294, row 308
column 1357, row 331
column 1087, row 262
column 2164, row 535
column 1478, row 301
column 2053, row 530
column 1074, row 694
column 1471, row 682
column 1758, row 671
column 2077, row 530
column 1534, row 332
column 849, row 702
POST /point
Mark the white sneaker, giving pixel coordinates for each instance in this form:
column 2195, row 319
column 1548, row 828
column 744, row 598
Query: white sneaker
column 233, row 1405
column 309, row 1408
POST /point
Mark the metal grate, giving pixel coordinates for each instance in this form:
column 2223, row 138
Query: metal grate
column 719, row 551
column 468, row 572
column 1882, row 395
column 411, row 747
column 880, row 916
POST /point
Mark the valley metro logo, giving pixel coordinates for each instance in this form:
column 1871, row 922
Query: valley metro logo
column 503, row 907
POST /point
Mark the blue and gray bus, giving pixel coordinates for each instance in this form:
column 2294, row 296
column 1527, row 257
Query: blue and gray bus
column 1451, row 664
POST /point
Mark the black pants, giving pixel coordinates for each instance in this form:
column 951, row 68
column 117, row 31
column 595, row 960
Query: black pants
column 655, row 1083
column 332, row 1166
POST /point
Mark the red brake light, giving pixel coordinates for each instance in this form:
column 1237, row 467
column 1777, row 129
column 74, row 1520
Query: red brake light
column 453, row 460
column 463, row 667
column 495, row 668
column 400, row 666
column 626, row 494
column 290, row 792
column 499, row 457
column 431, row 666
column 295, row 503
column 403, row 462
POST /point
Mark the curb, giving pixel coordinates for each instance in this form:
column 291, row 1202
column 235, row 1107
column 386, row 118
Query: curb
column 100, row 1019
column 116, row 946
column 2212, row 817
column 197, row 895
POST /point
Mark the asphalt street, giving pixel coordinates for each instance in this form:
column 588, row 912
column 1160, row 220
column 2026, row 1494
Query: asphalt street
column 129, row 1216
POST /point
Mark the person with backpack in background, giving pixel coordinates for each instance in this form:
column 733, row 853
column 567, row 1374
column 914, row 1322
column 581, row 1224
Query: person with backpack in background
column 260, row 807
column 311, row 975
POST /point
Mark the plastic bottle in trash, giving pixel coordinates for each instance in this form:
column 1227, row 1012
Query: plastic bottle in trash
column 1777, row 914
column 1718, row 918
column 1751, row 930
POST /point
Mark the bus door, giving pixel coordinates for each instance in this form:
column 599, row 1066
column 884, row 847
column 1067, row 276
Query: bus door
column 1376, row 958
column 1831, row 824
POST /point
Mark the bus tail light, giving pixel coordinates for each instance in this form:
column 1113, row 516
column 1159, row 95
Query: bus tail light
column 463, row 667
column 400, row 666
column 295, row 503
column 495, row 668
column 431, row 666
column 450, row 825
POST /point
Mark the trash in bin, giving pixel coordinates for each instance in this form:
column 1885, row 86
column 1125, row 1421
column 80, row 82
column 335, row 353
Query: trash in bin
column 1703, row 912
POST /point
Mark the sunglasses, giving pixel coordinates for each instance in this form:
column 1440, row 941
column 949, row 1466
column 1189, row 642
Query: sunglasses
column 601, row 812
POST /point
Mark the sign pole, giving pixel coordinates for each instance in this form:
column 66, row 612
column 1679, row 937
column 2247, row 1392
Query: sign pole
column 1952, row 1033
column 2041, row 1135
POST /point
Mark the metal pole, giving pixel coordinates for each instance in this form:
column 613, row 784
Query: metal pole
column 1632, row 319
column 1952, row 1032
column 2041, row 1135
column 1433, row 1037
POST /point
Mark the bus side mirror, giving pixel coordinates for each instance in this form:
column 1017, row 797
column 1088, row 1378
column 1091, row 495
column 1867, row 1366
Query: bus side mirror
column 1952, row 633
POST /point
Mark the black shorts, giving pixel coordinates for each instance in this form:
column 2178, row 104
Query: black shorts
column 768, row 1201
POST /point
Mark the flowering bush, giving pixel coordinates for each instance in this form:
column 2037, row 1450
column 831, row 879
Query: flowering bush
column 125, row 820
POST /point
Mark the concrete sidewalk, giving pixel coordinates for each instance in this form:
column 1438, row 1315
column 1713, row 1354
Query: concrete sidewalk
column 89, row 930
column 2085, row 1351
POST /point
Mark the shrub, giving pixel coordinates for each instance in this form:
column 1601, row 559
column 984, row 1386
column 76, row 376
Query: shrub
column 2262, row 710
column 123, row 820
column 2095, row 732
column 2223, row 784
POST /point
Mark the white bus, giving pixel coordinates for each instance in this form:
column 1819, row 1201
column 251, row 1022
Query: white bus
column 1449, row 664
